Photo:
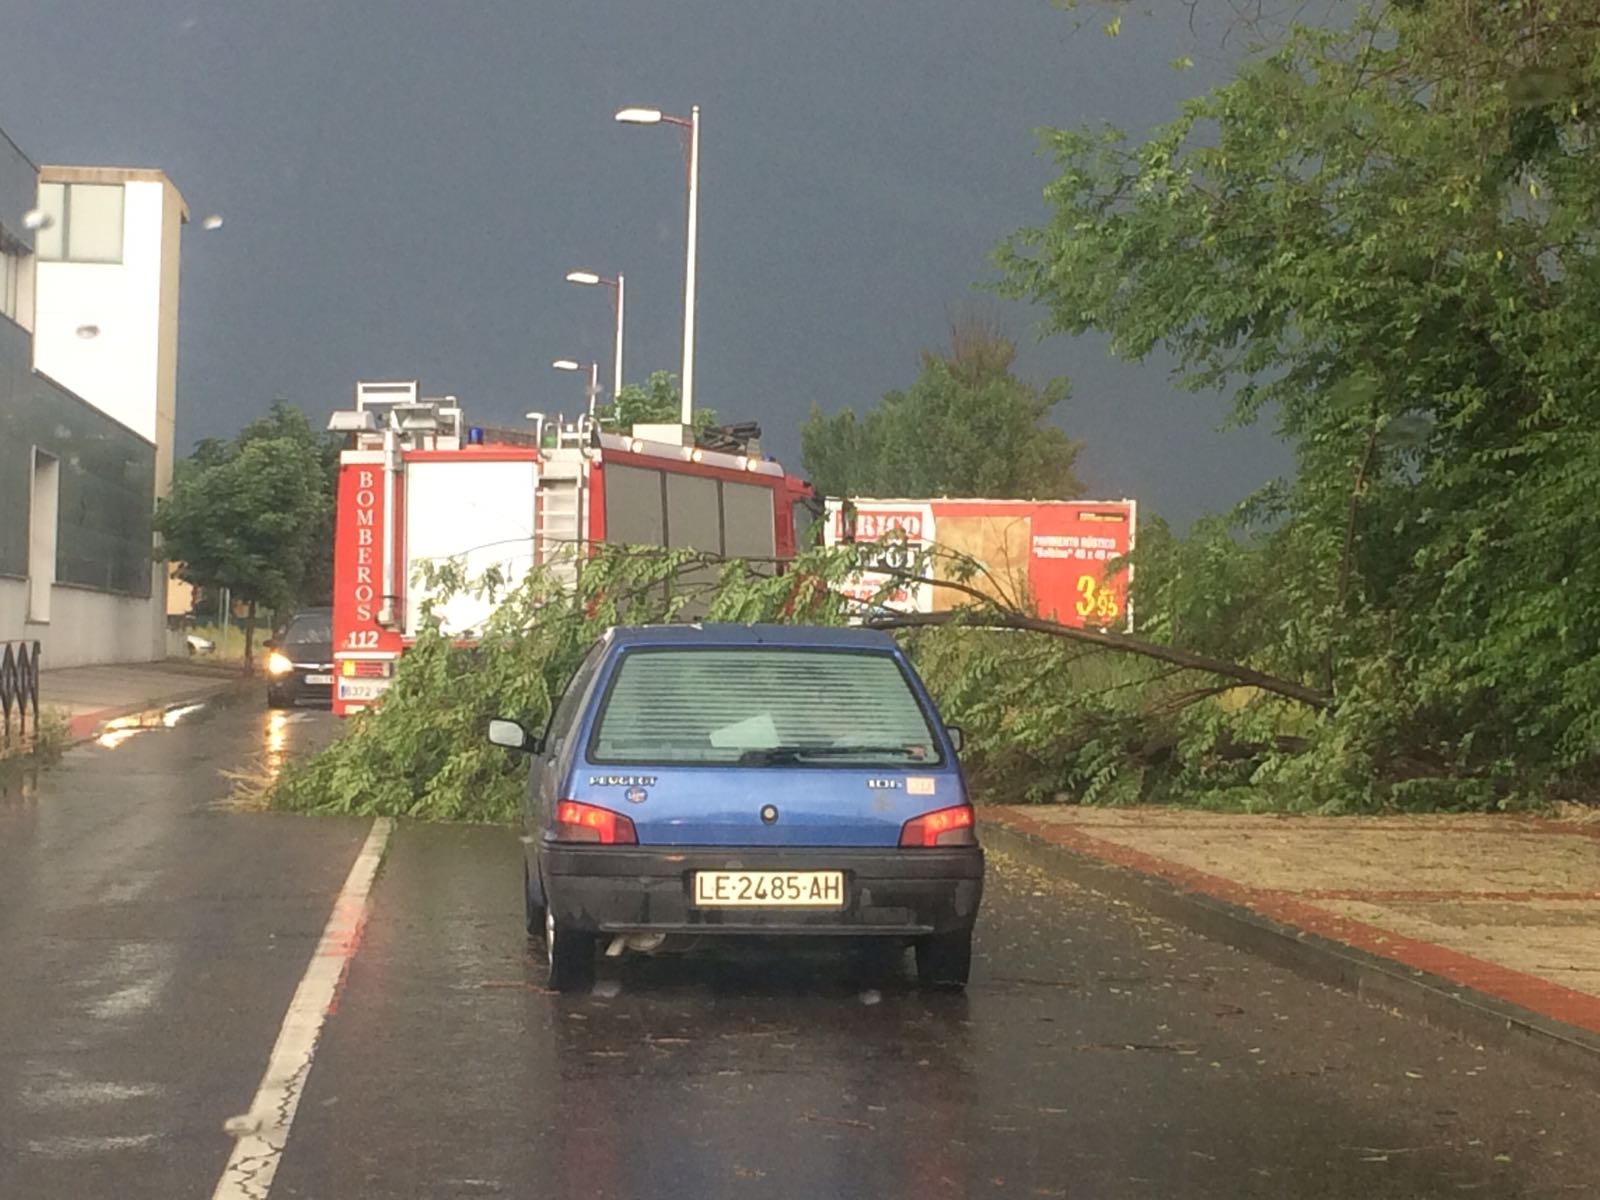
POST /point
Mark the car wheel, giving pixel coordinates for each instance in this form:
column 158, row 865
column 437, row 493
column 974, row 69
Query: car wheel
column 533, row 910
column 275, row 700
column 944, row 960
column 571, row 955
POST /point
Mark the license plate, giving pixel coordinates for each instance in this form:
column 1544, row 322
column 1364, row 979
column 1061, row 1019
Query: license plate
column 769, row 889
column 319, row 678
column 362, row 689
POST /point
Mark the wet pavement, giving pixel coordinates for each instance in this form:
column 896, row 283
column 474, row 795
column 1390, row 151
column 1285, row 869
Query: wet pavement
column 148, row 946
column 151, row 942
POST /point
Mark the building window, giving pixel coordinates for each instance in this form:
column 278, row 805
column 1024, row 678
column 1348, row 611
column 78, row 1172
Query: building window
column 85, row 222
column 10, row 282
column 43, row 513
column 16, row 280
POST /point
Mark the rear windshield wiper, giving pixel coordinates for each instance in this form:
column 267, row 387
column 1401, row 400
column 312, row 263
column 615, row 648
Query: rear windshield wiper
column 769, row 755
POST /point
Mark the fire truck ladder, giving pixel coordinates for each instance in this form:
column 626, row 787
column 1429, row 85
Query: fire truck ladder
column 559, row 518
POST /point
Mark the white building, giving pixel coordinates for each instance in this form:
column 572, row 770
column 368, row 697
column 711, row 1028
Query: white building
column 106, row 297
column 88, row 396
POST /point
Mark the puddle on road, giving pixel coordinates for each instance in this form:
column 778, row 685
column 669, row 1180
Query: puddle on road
column 62, row 1089
column 19, row 785
column 121, row 730
column 252, row 780
column 276, row 746
column 265, row 748
column 80, row 1147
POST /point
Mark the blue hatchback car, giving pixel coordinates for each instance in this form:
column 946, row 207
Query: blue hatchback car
column 747, row 780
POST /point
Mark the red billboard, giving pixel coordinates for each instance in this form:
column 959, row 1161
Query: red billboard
column 1049, row 557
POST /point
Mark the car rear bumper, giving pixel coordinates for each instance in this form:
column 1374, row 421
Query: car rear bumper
column 889, row 892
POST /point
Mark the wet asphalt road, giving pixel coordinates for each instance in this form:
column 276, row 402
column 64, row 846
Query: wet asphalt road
column 150, row 941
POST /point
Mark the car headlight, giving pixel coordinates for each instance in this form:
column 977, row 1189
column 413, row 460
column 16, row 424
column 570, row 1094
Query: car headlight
column 277, row 664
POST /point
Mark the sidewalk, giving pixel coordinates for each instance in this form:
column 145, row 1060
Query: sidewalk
column 1488, row 911
column 93, row 696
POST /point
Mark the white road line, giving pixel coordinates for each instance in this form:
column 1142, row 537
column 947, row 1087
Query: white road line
column 264, row 1131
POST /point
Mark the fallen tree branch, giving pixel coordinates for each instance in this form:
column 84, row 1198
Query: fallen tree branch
column 990, row 616
column 977, row 618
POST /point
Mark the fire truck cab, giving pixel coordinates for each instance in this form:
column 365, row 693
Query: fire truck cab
column 417, row 486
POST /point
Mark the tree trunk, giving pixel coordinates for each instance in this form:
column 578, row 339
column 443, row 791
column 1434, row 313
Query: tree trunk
column 249, row 635
column 1348, row 552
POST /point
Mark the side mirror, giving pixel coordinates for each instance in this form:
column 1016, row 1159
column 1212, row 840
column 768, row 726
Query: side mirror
column 958, row 737
column 512, row 736
column 270, row 644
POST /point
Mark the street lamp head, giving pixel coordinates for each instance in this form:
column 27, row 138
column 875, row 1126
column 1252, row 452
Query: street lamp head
column 565, row 364
column 639, row 116
column 582, row 277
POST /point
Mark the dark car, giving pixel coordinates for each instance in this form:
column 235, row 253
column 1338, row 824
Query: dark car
column 773, row 781
column 300, row 661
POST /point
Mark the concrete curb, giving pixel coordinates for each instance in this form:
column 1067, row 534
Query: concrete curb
column 85, row 727
column 1483, row 1019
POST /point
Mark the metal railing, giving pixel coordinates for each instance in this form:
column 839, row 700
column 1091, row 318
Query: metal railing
column 19, row 687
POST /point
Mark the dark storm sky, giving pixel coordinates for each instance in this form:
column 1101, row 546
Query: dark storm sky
column 405, row 184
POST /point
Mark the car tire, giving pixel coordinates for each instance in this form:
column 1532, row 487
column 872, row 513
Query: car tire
column 571, row 956
column 944, row 960
column 532, row 906
column 275, row 700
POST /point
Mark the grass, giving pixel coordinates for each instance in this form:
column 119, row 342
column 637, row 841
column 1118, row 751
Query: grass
column 229, row 641
column 43, row 744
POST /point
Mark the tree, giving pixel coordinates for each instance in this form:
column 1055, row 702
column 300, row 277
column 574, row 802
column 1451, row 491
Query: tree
column 1386, row 235
column 967, row 427
column 255, row 515
column 658, row 402
column 286, row 420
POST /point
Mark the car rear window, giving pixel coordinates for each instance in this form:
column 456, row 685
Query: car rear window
column 762, row 706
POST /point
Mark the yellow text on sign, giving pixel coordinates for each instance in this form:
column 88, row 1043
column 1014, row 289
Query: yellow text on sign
column 1096, row 602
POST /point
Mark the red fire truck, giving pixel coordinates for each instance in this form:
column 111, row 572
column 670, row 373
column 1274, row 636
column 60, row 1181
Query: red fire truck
column 416, row 485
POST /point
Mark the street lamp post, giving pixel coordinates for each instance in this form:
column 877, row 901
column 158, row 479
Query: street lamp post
column 654, row 116
column 619, row 296
column 569, row 364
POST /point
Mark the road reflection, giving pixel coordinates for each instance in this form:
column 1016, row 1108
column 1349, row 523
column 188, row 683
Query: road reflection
column 125, row 729
column 120, row 730
column 290, row 733
column 18, row 785
column 714, row 1070
column 277, row 742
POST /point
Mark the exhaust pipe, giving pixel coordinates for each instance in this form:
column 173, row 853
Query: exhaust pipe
column 639, row 943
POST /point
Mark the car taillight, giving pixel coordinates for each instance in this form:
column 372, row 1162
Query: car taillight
column 942, row 827
column 577, row 822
